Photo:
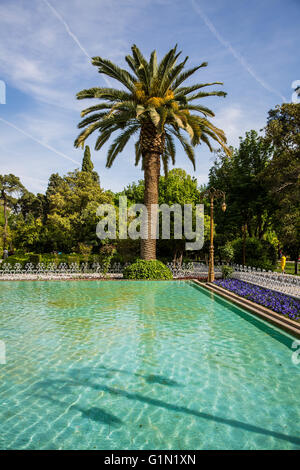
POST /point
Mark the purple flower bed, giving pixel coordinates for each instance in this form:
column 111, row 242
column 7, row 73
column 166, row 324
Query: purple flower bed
column 280, row 303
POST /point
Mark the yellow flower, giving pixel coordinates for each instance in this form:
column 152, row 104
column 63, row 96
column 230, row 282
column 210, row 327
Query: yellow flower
column 169, row 95
column 155, row 101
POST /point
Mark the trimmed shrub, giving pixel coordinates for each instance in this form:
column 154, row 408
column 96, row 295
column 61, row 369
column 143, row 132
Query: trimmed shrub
column 14, row 259
column 151, row 270
column 85, row 250
column 226, row 272
column 73, row 259
column 35, row 258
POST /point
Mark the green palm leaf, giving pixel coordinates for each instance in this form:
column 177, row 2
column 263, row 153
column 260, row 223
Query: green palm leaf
column 154, row 98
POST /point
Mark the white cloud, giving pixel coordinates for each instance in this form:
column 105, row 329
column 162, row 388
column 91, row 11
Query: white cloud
column 235, row 121
column 234, row 52
column 38, row 141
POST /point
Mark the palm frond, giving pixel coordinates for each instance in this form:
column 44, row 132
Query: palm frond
column 187, row 74
column 119, row 144
column 186, row 146
column 153, row 69
column 110, row 94
column 164, row 79
column 185, row 90
column 97, row 107
column 85, row 133
column 202, row 94
column 90, row 119
column 138, row 153
column 170, row 147
column 154, row 94
column 141, row 65
column 103, row 137
column 201, row 109
column 109, row 68
column 167, row 62
column 171, row 76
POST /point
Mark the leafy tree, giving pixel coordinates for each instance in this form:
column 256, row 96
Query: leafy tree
column 248, row 202
column 87, row 164
column 27, row 234
column 260, row 253
column 156, row 105
column 30, row 203
column 177, row 187
column 227, row 252
column 72, row 211
column 282, row 176
column 10, row 187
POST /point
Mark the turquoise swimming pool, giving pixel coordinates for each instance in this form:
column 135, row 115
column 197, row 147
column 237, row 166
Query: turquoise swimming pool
column 141, row 365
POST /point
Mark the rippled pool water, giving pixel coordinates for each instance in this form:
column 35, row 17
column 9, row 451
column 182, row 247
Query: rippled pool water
column 141, row 365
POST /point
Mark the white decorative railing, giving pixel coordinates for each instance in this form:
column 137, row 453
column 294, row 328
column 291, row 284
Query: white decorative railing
column 62, row 270
column 192, row 269
column 93, row 270
column 286, row 283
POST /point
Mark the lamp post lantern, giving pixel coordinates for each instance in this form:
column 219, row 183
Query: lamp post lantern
column 213, row 193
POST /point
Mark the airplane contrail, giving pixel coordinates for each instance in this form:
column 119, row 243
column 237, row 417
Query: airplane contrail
column 38, row 141
column 72, row 35
column 22, row 176
column 236, row 54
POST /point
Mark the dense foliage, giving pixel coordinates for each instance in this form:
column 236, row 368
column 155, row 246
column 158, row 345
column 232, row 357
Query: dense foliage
column 262, row 185
column 226, row 271
column 260, row 253
column 261, row 181
column 151, row 270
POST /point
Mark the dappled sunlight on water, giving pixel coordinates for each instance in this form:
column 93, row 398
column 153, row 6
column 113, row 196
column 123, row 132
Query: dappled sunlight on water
column 141, row 365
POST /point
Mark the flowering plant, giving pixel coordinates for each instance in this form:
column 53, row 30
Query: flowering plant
column 276, row 301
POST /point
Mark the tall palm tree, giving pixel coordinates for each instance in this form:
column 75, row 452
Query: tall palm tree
column 154, row 104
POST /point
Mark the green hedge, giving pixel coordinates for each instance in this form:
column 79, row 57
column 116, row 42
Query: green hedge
column 35, row 258
column 151, row 270
column 47, row 258
column 22, row 260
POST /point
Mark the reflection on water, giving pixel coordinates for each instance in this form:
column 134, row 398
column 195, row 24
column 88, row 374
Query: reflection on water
column 141, row 365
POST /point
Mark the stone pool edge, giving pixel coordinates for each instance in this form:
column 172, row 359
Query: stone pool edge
column 289, row 326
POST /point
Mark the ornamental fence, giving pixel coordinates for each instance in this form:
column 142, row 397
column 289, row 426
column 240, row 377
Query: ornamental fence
column 52, row 270
column 61, row 270
column 286, row 283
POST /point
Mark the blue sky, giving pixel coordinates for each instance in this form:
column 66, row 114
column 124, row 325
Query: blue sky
column 250, row 45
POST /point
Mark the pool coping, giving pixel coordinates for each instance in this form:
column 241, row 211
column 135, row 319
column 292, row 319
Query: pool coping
column 289, row 326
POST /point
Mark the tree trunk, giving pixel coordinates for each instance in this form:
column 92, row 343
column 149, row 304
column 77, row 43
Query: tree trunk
column 151, row 172
column 152, row 146
column 244, row 228
column 5, row 222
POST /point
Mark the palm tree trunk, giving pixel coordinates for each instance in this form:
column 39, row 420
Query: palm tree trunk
column 151, row 175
